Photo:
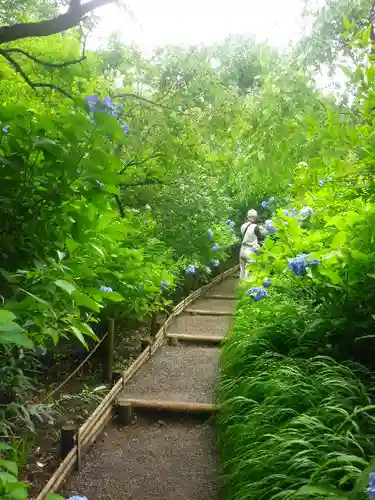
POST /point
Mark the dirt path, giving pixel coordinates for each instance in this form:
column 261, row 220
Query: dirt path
column 162, row 457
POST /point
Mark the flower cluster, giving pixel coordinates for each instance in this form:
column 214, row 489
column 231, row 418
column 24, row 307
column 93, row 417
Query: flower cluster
column 291, row 214
column 75, row 497
column 106, row 105
column 267, row 203
column 321, row 182
column 371, row 486
column 229, row 223
column 299, row 264
column 191, row 269
column 106, row 289
column 306, row 212
column 215, row 262
column 256, row 293
column 164, row 285
column 207, row 269
column 214, row 247
column 267, row 282
column 269, row 226
column 5, row 129
column 210, row 234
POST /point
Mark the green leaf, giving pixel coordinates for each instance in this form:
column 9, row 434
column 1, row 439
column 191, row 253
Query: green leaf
column 6, row 477
column 71, row 245
column 79, row 335
column 330, row 491
column 9, row 466
column 12, row 333
column 84, row 328
column 86, row 301
column 5, row 447
column 53, row 496
column 17, row 491
column 113, row 296
column 332, row 275
column 6, row 316
column 66, row 286
column 339, row 240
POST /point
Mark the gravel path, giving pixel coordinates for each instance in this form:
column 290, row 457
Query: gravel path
column 168, row 459
column 200, row 325
column 164, row 460
column 183, row 373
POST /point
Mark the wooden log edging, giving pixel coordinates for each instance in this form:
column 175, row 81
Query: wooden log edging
column 102, row 415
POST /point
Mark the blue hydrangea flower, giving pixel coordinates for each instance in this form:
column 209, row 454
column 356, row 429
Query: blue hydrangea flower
column 298, row 264
column 164, row 285
column 75, row 497
column 190, row 269
column 306, row 212
column 229, row 223
column 210, row 234
column 215, row 262
column 269, row 226
column 106, row 289
column 264, row 204
column 256, row 293
column 371, row 486
column 255, row 250
column 321, row 182
column 5, row 129
column 231, row 231
column 124, row 127
column 267, row 282
column 214, row 247
column 291, row 214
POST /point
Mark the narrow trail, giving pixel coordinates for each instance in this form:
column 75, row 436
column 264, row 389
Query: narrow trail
column 166, row 454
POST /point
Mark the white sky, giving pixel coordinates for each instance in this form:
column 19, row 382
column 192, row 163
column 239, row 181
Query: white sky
column 155, row 23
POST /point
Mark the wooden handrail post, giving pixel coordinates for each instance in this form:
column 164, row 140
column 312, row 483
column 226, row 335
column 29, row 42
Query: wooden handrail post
column 67, row 439
column 109, row 344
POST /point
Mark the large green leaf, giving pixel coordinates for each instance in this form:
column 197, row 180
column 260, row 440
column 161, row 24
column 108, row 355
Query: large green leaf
column 12, row 333
column 66, row 286
column 6, row 316
column 85, row 301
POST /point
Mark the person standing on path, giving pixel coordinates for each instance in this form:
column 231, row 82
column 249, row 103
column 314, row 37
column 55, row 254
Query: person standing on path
column 252, row 236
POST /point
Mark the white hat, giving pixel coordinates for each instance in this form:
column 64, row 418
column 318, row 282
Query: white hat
column 252, row 213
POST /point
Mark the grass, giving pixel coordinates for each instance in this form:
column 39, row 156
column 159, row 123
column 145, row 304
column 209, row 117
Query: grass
column 291, row 414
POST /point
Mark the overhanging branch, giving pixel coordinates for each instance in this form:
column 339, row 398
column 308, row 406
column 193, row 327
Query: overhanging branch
column 72, row 17
column 145, row 182
column 39, row 61
column 33, row 85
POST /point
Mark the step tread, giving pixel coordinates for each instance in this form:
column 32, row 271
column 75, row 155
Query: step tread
column 175, row 372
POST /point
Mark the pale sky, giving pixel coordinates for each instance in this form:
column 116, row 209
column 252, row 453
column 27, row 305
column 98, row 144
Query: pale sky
column 156, row 23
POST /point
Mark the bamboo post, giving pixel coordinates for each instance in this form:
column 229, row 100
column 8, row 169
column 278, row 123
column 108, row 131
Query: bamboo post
column 116, row 377
column 109, row 344
column 144, row 344
column 125, row 414
column 154, row 325
column 67, row 439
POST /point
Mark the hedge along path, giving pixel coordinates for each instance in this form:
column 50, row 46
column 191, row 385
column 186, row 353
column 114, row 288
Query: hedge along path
column 159, row 445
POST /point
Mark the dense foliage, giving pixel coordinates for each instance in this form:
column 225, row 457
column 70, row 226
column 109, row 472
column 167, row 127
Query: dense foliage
column 297, row 370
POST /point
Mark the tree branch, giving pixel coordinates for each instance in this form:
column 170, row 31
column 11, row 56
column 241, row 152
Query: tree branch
column 146, row 182
column 43, row 63
column 33, row 85
column 140, row 98
column 139, row 162
column 72, row 17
